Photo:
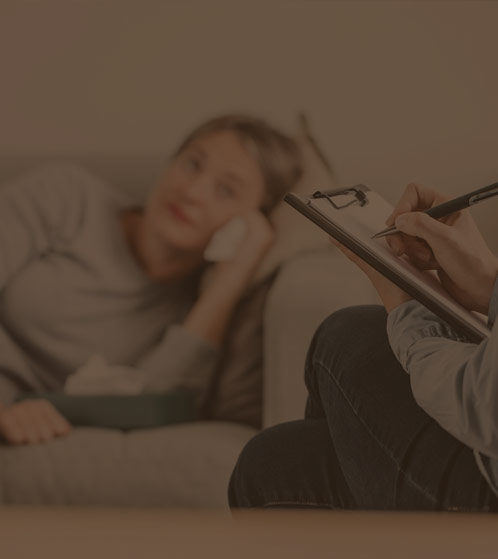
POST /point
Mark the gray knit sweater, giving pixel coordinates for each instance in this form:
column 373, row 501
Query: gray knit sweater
column 70, row 288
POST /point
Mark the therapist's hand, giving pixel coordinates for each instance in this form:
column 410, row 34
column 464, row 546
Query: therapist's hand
column 453, row 246
column 390, row 294
column 31, row 421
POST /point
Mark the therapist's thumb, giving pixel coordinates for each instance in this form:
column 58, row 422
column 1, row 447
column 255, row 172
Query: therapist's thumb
column 419, row 224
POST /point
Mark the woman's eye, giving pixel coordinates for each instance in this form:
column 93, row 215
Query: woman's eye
column 192, row 163
column 226, row 190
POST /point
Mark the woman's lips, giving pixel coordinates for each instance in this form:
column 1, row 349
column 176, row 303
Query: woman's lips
column 177, row 212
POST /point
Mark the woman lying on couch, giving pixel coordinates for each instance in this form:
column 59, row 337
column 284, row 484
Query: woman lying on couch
column 374, row 438
column 85, row 272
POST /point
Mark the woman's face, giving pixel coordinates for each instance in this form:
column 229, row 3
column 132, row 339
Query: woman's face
column 211, row 181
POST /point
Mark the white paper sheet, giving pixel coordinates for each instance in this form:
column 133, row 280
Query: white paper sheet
column 362, row 222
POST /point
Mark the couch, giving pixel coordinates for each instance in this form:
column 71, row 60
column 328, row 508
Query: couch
column 189, row 464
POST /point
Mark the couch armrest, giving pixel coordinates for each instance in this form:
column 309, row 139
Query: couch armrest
column 308, row 288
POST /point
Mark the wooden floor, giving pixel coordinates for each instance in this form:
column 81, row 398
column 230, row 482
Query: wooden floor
column 91, row 533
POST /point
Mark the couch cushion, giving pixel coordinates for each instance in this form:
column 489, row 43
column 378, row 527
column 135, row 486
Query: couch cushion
column 185, row 465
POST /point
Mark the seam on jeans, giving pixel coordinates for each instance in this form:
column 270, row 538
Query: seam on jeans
column 384, row 449
column 407, row 457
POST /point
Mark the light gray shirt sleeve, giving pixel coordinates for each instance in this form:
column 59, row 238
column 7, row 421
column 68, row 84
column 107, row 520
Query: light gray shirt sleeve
column 181, row 359
column 454, row 381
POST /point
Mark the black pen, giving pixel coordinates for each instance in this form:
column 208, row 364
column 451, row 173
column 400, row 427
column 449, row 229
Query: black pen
column 452, row 206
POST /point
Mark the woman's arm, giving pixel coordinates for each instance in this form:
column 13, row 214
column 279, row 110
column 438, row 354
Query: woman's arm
column 38, row 209
column 181, row 358
column 211, row 314
column 189, row 352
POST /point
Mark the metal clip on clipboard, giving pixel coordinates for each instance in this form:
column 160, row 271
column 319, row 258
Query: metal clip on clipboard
column 352, row 195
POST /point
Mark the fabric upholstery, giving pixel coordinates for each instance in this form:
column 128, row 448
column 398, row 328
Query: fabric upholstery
column 184, row 465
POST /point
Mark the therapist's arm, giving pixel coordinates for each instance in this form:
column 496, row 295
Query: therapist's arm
column 454, row 381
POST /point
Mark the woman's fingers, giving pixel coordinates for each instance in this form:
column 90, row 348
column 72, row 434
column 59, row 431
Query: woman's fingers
column 32, row 422
column 10, row 428
column 56, row 422
column 37, row 416
column 26, row 422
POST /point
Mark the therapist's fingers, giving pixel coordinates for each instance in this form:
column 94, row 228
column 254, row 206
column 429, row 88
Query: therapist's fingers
column 416, row 197
column 422, row 262
column 364, row 266
column 438, row 235
column 350, row 254
column 396, row 243
column 417, row 250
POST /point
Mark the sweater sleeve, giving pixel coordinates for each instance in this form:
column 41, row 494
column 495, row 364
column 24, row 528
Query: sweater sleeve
column 454, row 381
column 35, row 209
column 16, row 374
column 181, row 358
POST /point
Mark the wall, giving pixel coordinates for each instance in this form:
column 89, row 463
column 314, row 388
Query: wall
column 397, row 91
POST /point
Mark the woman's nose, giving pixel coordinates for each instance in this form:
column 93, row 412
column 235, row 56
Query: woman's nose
column 197, row 190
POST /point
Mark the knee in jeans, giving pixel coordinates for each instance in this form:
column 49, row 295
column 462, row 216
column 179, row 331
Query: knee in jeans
column 257, row 467
column 347, row 330
column 349, row 326
column 246, row 473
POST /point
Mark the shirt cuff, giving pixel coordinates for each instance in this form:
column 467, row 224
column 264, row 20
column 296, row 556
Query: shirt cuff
column 493, row 304
column 411, row 321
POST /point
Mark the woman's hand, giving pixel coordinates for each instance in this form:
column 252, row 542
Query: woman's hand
column 453, row 246
column 258, row 239
column 31, row 421
column 210, row 316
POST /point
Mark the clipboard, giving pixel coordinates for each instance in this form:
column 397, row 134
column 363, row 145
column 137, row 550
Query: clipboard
column 353, row 215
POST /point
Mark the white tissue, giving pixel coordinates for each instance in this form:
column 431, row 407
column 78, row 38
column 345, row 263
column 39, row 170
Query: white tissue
column 224, row 243
column 97, row 377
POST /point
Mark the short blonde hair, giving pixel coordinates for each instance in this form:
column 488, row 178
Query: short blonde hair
column 277, row 154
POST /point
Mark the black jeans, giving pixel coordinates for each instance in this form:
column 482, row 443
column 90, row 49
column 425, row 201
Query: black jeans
column 364, row 443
